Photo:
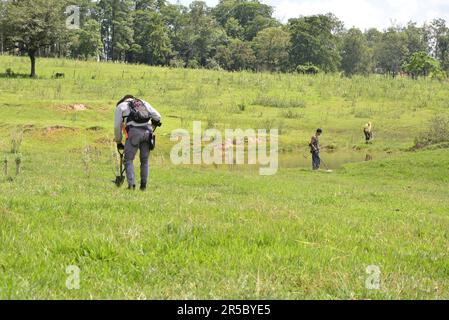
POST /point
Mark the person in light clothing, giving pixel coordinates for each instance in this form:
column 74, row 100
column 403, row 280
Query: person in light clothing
column 368, row 131
column 137, row 119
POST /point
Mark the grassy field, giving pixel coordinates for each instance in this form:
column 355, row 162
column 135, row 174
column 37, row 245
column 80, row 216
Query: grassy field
column 205, row 232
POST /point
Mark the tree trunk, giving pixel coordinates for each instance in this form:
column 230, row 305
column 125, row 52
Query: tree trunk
column 32, row 55
column 113, row 35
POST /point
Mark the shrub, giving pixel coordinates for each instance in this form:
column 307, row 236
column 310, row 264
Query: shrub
column 177, row 63
column 270, row 124
column 242, row 107
column 9, row 73
column 193, row 64
column 290, row 114
column 308, row 69
column 437, row 132
column 275, row 102
column 213, row 64
column 438, row 75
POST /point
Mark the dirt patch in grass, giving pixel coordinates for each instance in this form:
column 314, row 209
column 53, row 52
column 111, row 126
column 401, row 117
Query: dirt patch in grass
column 74, row 107
column 57, row 129
column 29, row 128
column 96, row 128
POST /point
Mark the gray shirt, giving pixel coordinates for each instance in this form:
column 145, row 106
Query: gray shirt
column 122, row 112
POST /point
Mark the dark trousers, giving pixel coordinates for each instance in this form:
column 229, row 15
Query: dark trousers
column 138, row 139
column 316, row 160
column 368, row 135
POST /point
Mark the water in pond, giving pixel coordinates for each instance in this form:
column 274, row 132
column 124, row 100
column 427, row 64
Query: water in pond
column 334, row 160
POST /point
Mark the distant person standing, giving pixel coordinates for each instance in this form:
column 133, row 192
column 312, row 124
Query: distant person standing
column 315, row 150
column 368, row 131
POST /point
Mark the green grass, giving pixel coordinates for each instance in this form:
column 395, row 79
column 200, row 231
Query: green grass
column 215, row 233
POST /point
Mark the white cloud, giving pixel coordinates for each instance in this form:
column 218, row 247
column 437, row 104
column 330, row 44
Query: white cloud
column 365, row 13
column 360, row 13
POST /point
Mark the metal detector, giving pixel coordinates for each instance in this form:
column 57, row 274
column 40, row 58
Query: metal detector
column 119, row 180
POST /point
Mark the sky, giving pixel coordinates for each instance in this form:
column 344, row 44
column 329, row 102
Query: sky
column 363, row 14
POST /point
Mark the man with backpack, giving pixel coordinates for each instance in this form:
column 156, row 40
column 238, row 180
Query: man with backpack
column 137, row 119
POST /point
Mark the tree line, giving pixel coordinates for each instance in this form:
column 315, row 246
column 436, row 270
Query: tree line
column 233, row 35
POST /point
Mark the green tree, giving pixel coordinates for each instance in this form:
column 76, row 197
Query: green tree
column 416, row 38
column 2, row 26
column 238, row 55
column 421, row 64
column 393, row 51
column 260, row 22
column 153, row 5
column 176, row 20
column 439, row 42
column 86, row 42
column 116, row 28
column 271, row 48
column 243, row 19
column 373, row 37
column 152, row 43
column 355, row 53
column 34, row 24
column 234, row 29
column 224, row 56
column 374, row 41
column 314, row 40
column 201, row 36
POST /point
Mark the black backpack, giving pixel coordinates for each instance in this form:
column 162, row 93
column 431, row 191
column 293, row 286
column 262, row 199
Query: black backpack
column 138, row 112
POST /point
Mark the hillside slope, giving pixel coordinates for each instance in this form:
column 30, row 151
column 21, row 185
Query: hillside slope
column 205, row 232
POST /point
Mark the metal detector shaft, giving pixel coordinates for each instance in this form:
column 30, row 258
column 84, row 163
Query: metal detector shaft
column 327, row 168
column 122, row 168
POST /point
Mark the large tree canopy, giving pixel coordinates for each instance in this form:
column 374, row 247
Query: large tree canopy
column 271, row 48
column 392, row 51
column 314, row 40
column 233, row 35
column 244, row 19
column 356, row 57
column 33, row 24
